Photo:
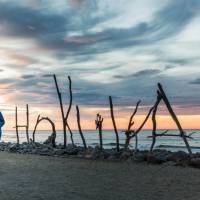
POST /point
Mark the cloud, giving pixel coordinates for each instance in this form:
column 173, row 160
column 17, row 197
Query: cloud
column 80, row 39
column 166, row 23
column 77, row 4
column 140, row 74
column 195, row 82
column 147, row 72
column 51, row 30
column 48, row 29
column 19, row 21
column 27, row 76
column 169, row 67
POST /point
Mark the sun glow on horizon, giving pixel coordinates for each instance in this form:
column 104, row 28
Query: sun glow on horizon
column 88, row 116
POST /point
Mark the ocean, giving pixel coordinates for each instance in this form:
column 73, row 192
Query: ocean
column 92, row 139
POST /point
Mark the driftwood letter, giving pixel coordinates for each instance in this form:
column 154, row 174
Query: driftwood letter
column 65, row 117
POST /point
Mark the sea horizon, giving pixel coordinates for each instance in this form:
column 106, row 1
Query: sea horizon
column 109, row 139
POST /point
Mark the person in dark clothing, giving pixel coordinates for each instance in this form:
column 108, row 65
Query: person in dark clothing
column 2, row 122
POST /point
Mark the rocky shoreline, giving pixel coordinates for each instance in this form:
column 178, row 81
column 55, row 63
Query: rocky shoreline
column 158, row 156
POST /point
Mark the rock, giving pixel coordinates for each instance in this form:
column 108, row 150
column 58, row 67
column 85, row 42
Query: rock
column 51, row 139
column 95, row 153
column 46, row 151
column 13, row 148
column 125, row 155
column 139, row 157
column 71, row 151
column 155, row 159
column 162, row 155
column 177, row 156
column 34, row 151
column 106, row 154
column 92, row 154
column 59, row 151
column 3, row 146
column 194, row 162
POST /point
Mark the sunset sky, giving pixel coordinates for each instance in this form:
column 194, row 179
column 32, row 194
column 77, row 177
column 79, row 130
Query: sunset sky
column 120, row 48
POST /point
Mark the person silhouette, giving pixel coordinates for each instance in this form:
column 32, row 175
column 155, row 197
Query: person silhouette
column 2, row 122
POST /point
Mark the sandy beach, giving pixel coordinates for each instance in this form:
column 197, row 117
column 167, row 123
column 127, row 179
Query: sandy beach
column 42, row 177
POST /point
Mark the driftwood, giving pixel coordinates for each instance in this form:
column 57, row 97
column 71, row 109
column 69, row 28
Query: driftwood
column 159, row 97
column 79, row 127
column 130, row 133
column 167, row 103
column 22, row 126
column 114, row 123
column 65, row 117
column 98, row 122
column 162, row 96
column 52, row 138
column 27, row 124
column 192, row 133
column 16, row 125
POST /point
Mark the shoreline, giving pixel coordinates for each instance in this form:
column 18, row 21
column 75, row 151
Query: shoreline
column 158, row 156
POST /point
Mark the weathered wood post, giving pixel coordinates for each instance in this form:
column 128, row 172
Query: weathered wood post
column 174, row 117
column 65, row 117
column 114, row 123
column 22, row 126
column 98, row 122
column 79, row 128
column 154, row 120
column 37, row 122
column 162, row 96
column 27, row 123
column 130, row 133
column 16, row 125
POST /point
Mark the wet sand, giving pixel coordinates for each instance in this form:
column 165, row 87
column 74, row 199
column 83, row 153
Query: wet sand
column 40, row 177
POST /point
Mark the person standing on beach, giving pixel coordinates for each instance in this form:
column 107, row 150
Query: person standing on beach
column 2, row 122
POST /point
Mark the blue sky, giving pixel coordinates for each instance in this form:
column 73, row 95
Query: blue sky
column 120, row 48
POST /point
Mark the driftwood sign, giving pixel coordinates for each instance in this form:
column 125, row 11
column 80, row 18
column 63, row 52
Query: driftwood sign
column 130, row 132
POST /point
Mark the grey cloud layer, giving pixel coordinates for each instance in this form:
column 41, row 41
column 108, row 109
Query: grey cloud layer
column 50, row 29
column 53, row 31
